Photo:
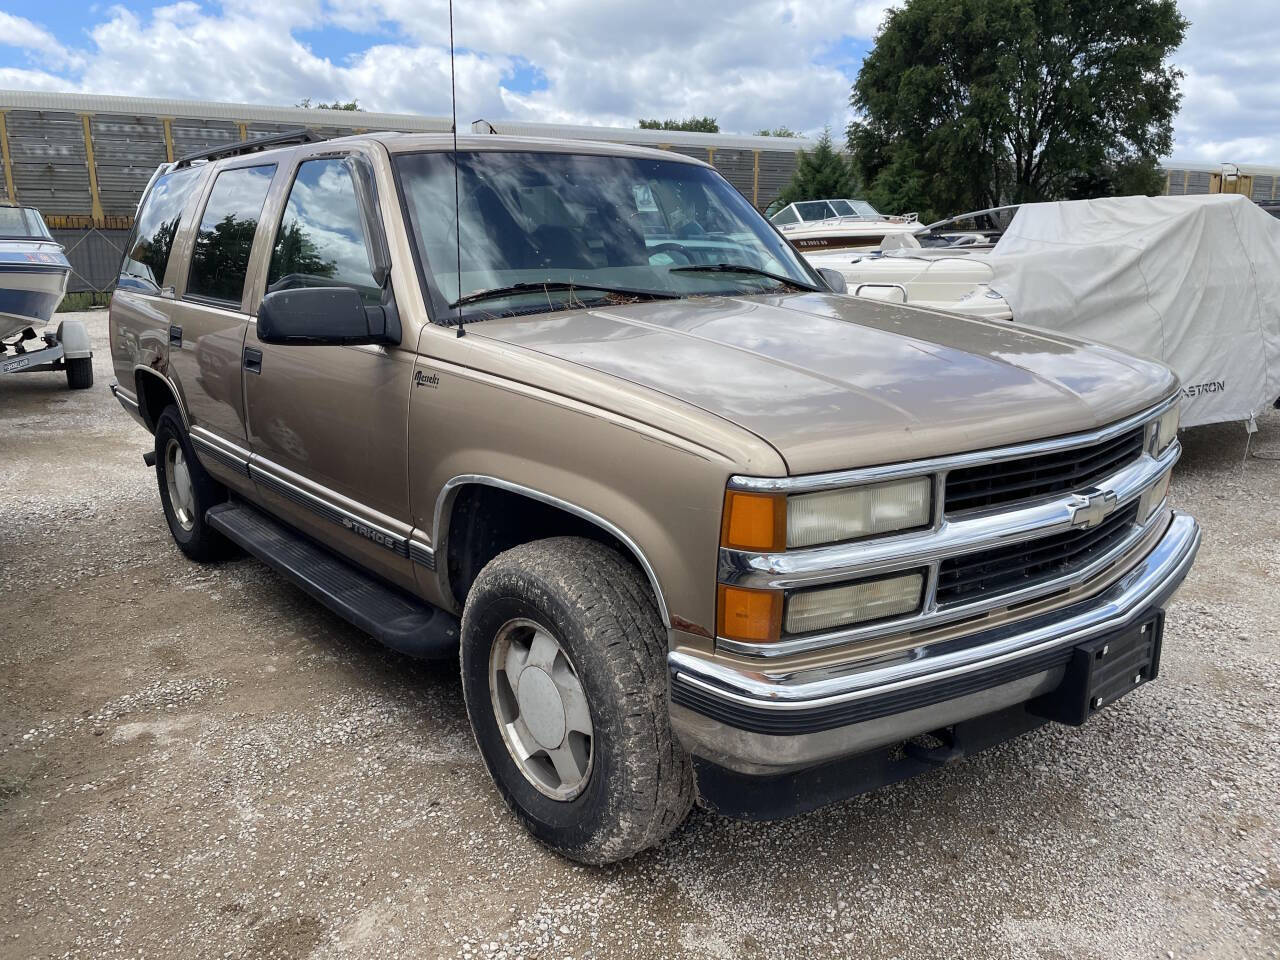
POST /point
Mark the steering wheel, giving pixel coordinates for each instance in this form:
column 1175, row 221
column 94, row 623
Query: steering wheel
column 672, row 248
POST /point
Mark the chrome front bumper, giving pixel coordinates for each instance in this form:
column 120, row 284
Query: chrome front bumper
column 765, row 721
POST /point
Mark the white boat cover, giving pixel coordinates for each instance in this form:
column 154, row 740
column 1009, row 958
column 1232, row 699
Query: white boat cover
column 1193, row 281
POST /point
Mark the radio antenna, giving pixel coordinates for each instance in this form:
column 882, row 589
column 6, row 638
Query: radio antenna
column 457, row 204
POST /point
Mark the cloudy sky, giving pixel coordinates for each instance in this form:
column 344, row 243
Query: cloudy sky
column 751, row 63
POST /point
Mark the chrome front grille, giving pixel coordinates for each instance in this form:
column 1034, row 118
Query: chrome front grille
column 975, row 576
column 1016, row 524
column 1008, row 481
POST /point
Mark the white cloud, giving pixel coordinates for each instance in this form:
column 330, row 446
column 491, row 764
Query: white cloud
column 1231, row 93
column 25, row 35
column 750, row 63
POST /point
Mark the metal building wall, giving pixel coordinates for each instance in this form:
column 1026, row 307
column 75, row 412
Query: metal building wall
column 85, row 160
column 1260, row 183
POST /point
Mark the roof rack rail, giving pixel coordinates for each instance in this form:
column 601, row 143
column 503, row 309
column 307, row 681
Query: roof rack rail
column 242, row 147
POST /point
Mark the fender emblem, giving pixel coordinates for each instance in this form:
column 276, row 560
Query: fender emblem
column 377, row 536
column 423, row 379
column 1090, row 508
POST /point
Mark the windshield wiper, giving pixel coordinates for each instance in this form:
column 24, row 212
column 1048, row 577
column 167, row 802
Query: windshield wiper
column 741, row 268
column 557, row 285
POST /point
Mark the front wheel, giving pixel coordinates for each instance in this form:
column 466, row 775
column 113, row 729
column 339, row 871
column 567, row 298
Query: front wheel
column 564, row 676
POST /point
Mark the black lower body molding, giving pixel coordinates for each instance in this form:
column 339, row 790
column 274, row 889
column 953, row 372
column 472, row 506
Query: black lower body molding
column 751, row 797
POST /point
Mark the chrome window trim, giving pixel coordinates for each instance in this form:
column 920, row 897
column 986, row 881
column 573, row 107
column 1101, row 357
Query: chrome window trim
column 807, row 483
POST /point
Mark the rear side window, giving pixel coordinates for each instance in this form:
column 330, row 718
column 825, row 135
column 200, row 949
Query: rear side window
column 321, row 240
column 221, row 256
column 152, row 241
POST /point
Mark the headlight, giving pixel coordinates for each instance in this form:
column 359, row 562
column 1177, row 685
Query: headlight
column 1166, row 429
column 853, row 512
column 851, row 603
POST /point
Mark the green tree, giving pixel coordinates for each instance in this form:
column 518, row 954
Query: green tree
column 971, row 103
column 306, row 103
column 296, row 254
column 693, row 124
column 782, row 131
column 820, row 174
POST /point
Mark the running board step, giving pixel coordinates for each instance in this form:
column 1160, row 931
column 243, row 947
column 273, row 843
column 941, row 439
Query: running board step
column 402, row 622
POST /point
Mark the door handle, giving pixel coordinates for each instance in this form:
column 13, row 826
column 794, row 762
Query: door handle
column 253, row 359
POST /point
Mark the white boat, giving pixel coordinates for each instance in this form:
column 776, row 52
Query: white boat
column 958, row 280
column 33, row 272
column 839, row 224
column 33, row 281
column 942, row 266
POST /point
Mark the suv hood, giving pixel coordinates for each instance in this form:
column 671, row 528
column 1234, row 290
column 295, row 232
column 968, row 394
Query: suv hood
column 833, row 382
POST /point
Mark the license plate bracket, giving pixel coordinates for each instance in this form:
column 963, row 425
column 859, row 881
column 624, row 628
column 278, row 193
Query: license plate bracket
column 1103, row 670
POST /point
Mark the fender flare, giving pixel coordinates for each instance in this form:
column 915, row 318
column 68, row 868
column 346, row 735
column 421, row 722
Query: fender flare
column 169, row 385
column 444, row 505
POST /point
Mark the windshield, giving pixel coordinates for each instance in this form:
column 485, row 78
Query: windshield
column 597, row 226
column 22, row 222
column 814, row 210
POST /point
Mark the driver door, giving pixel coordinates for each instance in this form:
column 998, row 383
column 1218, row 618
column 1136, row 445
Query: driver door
column 327, row 424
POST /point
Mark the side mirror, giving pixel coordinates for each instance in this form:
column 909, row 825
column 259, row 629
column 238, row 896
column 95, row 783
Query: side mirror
column 834, row 278
column 325, row 316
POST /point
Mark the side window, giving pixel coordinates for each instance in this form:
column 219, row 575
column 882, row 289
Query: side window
column 221, row 257
column 786, row 218
column 152, row 239
column 321, row 240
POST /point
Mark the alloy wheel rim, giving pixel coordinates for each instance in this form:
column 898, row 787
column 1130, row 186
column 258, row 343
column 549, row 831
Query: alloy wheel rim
column 541, row 709
column 182, row 496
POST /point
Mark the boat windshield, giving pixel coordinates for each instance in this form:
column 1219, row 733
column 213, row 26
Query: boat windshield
column 814, row 210
column 22, row 223
column 546, row 231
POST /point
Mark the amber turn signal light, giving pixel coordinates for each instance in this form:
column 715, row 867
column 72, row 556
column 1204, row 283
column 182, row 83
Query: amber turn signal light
column 754, row 521
column 753, row 616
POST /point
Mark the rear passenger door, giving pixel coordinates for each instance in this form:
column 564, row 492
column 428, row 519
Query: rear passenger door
column 143, row 297
column 327, row 424
column 208, row 322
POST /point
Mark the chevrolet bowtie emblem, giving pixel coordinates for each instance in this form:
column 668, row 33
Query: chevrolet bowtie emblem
column 1090, row 508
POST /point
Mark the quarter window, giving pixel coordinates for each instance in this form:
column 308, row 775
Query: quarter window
column 221, row 257
column 152, row 241
column 321, row 241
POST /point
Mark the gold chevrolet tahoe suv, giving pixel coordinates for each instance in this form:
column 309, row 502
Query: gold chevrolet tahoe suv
column 695, row 523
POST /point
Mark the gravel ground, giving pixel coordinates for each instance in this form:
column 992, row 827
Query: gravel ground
column 199, row 762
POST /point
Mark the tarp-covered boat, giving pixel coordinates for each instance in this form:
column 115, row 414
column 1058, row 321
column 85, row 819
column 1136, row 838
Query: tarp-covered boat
column 1191, row 280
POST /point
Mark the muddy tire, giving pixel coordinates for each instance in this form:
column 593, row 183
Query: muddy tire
column 80, row 373
column 565, row 680
column 187, row 491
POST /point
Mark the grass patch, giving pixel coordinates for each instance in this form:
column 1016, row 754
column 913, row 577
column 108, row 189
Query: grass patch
column 83, row 301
